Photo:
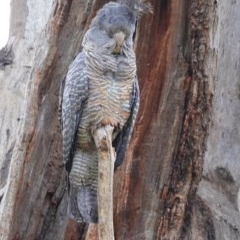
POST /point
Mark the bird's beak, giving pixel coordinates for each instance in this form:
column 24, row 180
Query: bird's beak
column 119, row 38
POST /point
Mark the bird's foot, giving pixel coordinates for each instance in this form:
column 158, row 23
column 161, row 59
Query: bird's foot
column 108, row 121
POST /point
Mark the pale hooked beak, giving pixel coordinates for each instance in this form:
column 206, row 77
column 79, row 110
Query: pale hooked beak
column 119, row 37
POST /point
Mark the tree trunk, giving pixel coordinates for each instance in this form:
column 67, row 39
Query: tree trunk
column 187, row 128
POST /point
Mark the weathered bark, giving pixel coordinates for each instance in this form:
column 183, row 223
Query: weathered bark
column 187, row 127
column 220, row 187
column 166, row 157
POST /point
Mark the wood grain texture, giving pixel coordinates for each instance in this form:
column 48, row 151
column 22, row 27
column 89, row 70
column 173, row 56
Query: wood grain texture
column 106, row 159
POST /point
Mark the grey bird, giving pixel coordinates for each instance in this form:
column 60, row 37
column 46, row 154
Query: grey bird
column 100, row 88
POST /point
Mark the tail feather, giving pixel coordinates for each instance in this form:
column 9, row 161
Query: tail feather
column 87, row 204
column 82, row 203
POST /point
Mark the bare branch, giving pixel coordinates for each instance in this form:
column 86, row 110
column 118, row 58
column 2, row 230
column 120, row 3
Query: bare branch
column 106, row 159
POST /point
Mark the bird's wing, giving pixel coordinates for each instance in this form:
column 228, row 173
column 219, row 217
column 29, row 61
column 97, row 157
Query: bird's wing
column 121, row 141
column 74, row 93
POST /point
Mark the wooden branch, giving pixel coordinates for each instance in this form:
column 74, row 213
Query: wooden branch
column 106, row 159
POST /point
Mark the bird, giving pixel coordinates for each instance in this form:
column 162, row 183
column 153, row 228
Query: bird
column 100, row 88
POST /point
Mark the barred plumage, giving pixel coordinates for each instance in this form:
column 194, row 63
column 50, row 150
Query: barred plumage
column 100, row 88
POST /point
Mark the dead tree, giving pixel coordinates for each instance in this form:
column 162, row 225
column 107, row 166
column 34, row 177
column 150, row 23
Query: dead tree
column 180, row 178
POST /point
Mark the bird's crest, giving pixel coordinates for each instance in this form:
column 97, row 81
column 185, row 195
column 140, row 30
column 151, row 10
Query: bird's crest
column 139, row 7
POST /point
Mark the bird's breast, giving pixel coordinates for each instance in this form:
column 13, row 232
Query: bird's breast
column 108, row 99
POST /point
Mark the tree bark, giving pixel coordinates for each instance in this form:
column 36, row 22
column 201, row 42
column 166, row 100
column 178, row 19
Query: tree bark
column 180, row 177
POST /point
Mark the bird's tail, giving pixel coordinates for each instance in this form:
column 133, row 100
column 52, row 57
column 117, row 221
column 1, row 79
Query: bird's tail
column 82, row 202
column 82, row 205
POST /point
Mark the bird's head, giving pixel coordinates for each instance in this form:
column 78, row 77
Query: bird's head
column 116, row 21
column 114, row 25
